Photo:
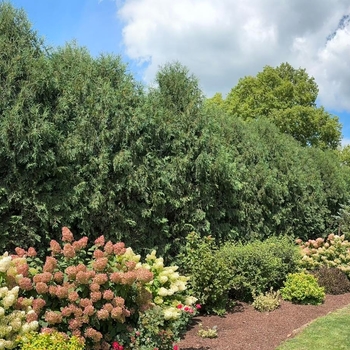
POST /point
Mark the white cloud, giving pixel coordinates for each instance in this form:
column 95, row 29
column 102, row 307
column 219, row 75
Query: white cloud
column 222, row 41
column 345, row 142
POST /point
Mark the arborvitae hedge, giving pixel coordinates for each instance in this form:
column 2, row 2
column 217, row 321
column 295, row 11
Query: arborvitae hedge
column 85, row 146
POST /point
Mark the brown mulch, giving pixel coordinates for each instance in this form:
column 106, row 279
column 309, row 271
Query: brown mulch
column 248, row 329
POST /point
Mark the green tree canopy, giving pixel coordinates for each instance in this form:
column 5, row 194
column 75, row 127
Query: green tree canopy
column 177, row 89
column 344, row 154
column 286, row 96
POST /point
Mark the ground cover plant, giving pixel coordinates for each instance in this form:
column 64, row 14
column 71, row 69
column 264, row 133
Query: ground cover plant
column 267, row 302
column 104, row 294
column 330, row 332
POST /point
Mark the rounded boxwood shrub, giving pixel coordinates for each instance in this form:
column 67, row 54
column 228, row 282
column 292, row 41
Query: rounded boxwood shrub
column 302, row 288
column 333, row 280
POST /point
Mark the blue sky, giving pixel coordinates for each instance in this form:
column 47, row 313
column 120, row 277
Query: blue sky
column 202, row 35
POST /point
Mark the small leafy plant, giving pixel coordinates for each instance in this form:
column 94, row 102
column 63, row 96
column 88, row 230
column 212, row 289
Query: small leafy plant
column 302, row 288
column 50, row 341
column 267, row 302
column 208, row 332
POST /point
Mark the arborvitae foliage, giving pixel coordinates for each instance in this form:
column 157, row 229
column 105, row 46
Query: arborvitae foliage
column 26, row 134
column 64, row 116
column 178, row 90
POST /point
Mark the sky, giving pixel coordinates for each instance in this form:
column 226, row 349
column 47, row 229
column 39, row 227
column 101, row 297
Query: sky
column 219, row 41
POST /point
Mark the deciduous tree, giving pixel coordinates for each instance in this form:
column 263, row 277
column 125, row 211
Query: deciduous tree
column 286, row 96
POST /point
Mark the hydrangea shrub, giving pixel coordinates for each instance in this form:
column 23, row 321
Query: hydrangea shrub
column 99, row 294
column 334, row 251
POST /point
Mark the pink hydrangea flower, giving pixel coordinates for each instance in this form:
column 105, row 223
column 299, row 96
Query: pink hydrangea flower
column 67, row 235
column 100, row 241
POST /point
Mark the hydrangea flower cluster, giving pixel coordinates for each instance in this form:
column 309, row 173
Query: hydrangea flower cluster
column 332, row 252
column 167, row 287
column 161, row 326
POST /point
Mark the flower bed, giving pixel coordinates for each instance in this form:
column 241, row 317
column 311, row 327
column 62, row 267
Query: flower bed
column 104, row 295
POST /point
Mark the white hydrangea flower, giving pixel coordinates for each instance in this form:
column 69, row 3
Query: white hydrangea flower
column 174, row 276
column 162, row 292
column 159, row 264
column 5, row 262
column 130, row 255
column 16, row 324
column 14, row 291
column 9, row 344
column 163, row 279
column 33, row 325
column 181, row 286
column 190, row 300
column 171, row 313
column 158, row 300
column 26, row 328
column 151, row 256
column 146, row 266
column 174, row 288
column 170, row 291
column 3, row 291
column 8, row 300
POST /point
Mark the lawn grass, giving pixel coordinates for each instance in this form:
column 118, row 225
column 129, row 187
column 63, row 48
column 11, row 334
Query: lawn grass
column 331, row 332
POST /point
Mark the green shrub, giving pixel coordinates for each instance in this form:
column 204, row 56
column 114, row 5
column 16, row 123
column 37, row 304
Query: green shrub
column 333, row 280
column 50, row 341
column 210, row 277
column 258, row 266
column 267, row 302
column 302, row 288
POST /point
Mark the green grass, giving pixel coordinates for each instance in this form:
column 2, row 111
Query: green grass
column 329, row 332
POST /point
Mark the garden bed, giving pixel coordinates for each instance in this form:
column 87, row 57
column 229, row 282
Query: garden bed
column 245, row 328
